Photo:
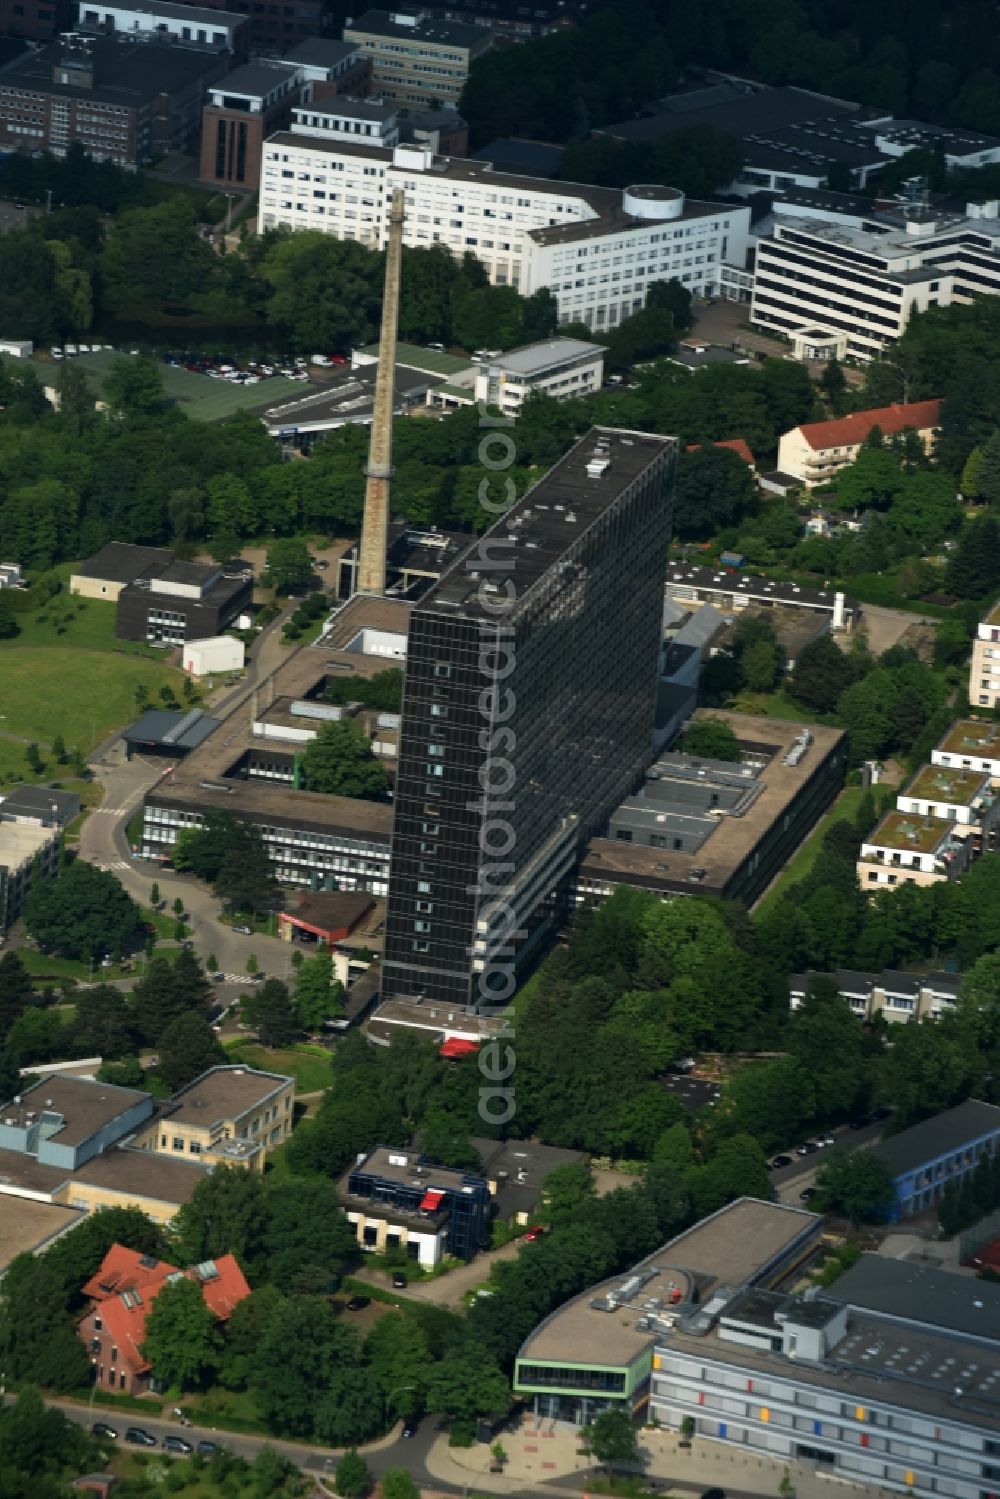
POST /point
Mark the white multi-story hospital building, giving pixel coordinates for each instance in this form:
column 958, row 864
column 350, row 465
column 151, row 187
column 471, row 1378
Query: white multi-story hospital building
column 596, row 249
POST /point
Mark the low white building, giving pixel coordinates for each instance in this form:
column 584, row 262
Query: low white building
column 971, row 744
column 560, row 367
column 596, row 249
column 909, row 849
column 216, row 653
column 160, row 19
column 10, row 575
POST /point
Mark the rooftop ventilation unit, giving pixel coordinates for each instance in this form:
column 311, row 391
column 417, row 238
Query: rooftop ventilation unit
column 598, row 465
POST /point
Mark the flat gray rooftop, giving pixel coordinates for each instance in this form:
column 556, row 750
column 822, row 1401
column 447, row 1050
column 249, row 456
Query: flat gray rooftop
column 732, row 1247
column 85, row 1105
column 552, row 516
column 224, row 1093
column 733, row 839
column 936, row 1299
column 555, row 352
column 944, row 1133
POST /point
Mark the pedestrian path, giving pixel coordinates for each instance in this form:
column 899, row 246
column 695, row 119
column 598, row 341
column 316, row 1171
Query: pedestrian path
column 547, row 1453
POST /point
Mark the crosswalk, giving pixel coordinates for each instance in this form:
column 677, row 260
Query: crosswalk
column 114, row 811
column 112, row 864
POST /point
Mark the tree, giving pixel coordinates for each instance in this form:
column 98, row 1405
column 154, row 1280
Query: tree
column 103, row 1024
column 399, row 1356
column 396, row 1483
column 857, row 1184
column 713, row 489
column 187, row 1047
column 34, row 759
column 246, row 879
column 833, row 384
column 339, row 761
column 467, row 1384
column 612, row 1438
column 82, row 911
column 227, row 1214
column 987, row 473
column 133, row 388
column 822, row 672
column 352, row 1479
column 158, row 1000
column 302, row 1338
column 182, row 1339
column 59, row 750
column 308, row 1240
column 202, row 850
column 828, row 1041
column 289, row 565
column 9, row 627
column 711, row 738
column 270, row 1011
column 38, row 1341
column 318, row 996
column 16, row 991
column 975, row 564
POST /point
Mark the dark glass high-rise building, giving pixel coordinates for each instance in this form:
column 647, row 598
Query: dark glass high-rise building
column 528, row 711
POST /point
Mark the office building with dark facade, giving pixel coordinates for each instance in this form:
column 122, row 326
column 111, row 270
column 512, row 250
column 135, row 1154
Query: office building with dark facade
column 528, row 712
column 397, row 1198
column 186, row 601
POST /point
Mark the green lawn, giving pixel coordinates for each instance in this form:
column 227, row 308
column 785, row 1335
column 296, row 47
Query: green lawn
column 70, row 621
column 309, row 1066
column 205, row 399
column 845, row 807
column 66, row 673
column 775, row 705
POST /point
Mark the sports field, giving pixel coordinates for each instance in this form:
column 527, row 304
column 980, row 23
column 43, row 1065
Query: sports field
column 200, row 397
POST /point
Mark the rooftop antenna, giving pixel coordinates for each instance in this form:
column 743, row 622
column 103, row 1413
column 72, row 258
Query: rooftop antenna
column 375, row 526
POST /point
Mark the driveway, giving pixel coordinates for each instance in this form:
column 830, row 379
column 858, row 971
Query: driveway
column 445, row 1290
column 103, row 838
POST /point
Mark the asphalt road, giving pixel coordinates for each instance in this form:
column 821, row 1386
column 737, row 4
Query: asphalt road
column 790, row 1181
column 103, row 838
column 392, row 1452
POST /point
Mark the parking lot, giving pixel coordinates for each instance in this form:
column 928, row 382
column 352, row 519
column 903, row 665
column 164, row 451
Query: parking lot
column 693, row 1092
column 205, row 398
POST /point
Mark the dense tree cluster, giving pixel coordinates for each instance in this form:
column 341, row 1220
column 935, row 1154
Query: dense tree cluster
column 936, row 63
column 83, row 912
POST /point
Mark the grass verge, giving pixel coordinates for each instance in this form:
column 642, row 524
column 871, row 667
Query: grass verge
column 844, row 808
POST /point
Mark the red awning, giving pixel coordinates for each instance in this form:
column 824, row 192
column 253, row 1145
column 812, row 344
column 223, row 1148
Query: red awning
column 432, row 1201
column 456, row 1047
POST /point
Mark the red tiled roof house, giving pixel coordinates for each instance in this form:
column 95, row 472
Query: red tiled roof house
column 123, row 1290
column 816, row 451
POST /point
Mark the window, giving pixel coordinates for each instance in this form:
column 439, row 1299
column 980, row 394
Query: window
column 177, row 1143
column 441, row 669
column 421, row 926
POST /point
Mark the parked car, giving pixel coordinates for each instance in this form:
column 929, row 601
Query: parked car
column 808, row 1148
column 536, row 1231
column 207, row 1448
column 177, row 1444
column 399, row 1281
column 102, row 1429
column 244, row 931
column 410, row 1426
column 807, row 1194
column 862, row 1121
column 139, row 1436
column 779, row 1161
column 437, row 348
column 358, row 1303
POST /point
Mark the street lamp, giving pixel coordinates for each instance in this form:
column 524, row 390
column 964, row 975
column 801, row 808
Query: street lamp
column 892, row 365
